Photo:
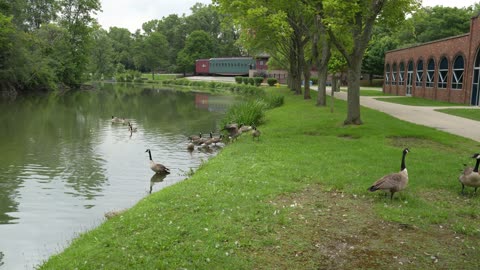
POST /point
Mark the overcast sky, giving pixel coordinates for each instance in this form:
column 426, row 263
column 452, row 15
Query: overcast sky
column 131, row 14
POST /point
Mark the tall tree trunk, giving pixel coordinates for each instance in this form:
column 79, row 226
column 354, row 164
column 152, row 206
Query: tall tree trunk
column 306, row 75
column 320, row 36
column 353, row 99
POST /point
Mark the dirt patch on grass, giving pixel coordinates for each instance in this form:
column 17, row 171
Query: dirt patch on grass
column 332, row 230
column 349, row 136
column 415, row 142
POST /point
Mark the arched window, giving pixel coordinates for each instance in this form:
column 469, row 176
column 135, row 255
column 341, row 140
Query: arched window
column 419, row 73
column 430, row 72
column 387, row 74
column 401, row 74
column 443, row 73
column 394, row 74
column 457, row 76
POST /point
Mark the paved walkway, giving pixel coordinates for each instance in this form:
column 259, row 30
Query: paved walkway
column 422, row 115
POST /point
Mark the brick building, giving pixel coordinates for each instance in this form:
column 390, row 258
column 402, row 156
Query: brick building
column 446, row 69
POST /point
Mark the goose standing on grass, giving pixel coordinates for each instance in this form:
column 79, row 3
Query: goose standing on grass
column 157, row 167
column 470, row 176
column 393, row 182
column 233, row 131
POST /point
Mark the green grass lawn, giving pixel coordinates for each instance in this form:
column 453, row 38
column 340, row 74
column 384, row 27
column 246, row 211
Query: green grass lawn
column 416, row 101
column 298, row 199
column 369, row 92
column 159, row 77
column 473, row 113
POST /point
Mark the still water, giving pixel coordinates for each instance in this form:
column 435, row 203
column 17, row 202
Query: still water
column 64, row 164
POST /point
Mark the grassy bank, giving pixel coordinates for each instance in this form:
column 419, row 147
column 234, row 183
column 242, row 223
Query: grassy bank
column 298, row 199
column 472, row 113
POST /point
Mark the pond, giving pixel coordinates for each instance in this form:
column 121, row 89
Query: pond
column 64, row 164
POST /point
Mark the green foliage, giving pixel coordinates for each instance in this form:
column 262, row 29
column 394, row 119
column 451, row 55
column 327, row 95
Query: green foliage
column 432, row 23
column 129, row 76
column 198, row 45
column 251, row 81
column 272, row 81
column 258, row 81
column 240, row 89
column 238, row 79
column 248, row 112
column 245, row 80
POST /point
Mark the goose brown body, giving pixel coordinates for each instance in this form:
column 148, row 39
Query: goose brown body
column 393, row 182
column 470, row 176
column 157, row 167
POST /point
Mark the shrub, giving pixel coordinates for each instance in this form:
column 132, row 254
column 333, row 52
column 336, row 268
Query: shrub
column 258, row 80
column 251, row 81
column 248, row 112
column 245, row 80
column 273, row 101
column 314, row 80
column 272, row 81
column 238, row 79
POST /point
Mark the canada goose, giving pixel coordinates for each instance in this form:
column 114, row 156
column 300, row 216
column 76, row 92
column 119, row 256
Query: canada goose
column 470, row 176
column 216, row 140
column 256, row 133
column 208, row 141
column 195, row 137
column 157, row 167
column 131, row 128
column 233, row 131
column 393, row 182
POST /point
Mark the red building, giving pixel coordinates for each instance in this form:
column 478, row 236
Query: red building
column 446, row 69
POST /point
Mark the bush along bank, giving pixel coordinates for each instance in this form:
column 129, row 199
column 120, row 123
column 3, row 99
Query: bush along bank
column 298, row 199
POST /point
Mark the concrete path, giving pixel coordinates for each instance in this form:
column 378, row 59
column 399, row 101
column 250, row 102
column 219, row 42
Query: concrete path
column 423, row 115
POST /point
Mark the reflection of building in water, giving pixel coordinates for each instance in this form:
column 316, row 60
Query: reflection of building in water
column 213, row 103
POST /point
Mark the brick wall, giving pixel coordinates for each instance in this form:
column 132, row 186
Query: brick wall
column 465, row 45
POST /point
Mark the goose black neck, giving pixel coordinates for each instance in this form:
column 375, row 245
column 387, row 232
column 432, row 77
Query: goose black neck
column 403, row 166
column 476, row 165
column 150, row 154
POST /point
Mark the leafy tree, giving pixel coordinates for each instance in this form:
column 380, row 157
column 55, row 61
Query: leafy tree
column 77, row 19
column 280, row 28
column 199, row 44
column 151, row 52
column 174, row 29
column 432, row 23
column 101, row 64
column 357, row 18
column 122, row 43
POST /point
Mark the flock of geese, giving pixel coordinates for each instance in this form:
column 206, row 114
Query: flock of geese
column 392, row 183
column 234, row 131
column 396, row 182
